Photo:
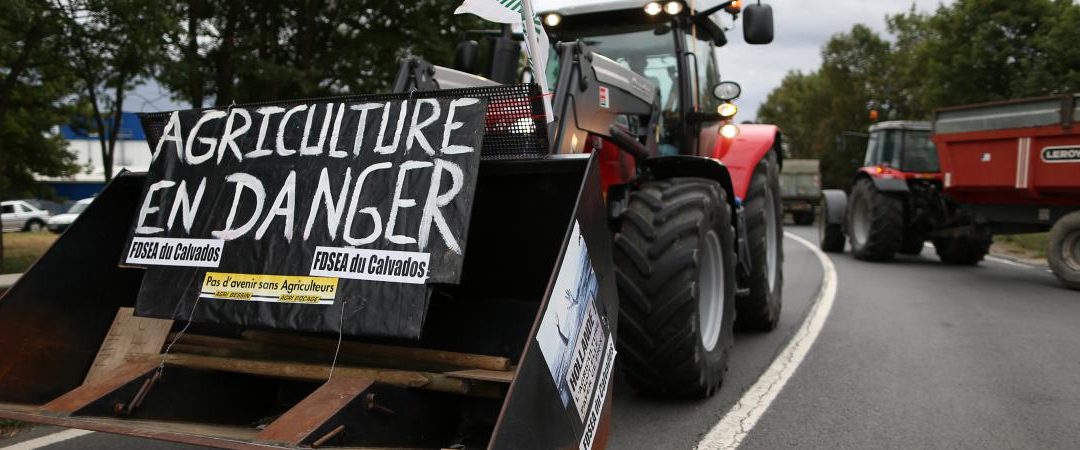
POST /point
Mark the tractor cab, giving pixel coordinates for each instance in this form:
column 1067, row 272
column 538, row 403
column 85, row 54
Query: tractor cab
column 673, row 47
column 901, row 149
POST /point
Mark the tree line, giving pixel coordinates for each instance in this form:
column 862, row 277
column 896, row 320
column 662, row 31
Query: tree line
column 78, row 61
column 966, row 52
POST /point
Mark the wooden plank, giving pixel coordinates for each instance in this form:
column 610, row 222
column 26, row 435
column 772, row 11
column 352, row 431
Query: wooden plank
column 128, row 334
column 299, row 423
column 88, row 393
column 315, row 372
column 497, row 376
column 455, row 359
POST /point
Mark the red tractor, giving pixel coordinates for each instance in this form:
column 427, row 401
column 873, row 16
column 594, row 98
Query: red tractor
column 694, row 199
column 1005, row 167
column 896, row 203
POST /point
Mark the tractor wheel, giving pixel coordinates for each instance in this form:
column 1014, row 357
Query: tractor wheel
column 913, row 244
column 874, row 222
column 675, row 269
column 964, row 250
column 831, row 232
column 760, row 311
column 803, row 217
column 1064, row 252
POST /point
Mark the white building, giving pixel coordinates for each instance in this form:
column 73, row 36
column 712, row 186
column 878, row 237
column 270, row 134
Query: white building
column 132, row 153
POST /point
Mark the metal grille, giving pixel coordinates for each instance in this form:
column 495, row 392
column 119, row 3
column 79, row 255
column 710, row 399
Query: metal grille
column 515, row 126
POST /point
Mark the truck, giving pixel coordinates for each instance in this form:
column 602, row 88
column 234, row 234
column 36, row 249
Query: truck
column 800, row 182
column 975, row 171
column 634, row 224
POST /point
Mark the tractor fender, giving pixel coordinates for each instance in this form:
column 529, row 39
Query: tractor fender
column 833, row 206
column 883, row 182
column 742, row 154
column 664, row 167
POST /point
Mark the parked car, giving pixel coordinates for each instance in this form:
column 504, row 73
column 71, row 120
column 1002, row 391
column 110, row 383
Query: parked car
column 19, row 215
column 60, row 222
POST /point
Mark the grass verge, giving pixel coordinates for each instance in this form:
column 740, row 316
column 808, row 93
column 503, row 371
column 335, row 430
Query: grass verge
column 23, row 248
column 1027, row 246
column 9, row 428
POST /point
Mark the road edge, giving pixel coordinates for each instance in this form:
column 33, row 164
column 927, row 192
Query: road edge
column 737, row 423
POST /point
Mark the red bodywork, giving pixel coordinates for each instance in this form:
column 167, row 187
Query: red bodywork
column 889, row 173
column 1006, row 166
column 741, row 154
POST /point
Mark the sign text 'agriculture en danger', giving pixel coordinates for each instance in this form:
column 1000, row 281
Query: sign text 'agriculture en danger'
column 373, row 193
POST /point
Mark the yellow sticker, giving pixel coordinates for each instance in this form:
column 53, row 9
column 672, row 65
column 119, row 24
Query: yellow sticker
column 270, row 288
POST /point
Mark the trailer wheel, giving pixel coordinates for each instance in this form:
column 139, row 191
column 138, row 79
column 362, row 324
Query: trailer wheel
column 963, row 249
column 803, row 217
column 1064, row 250
column 675, row 268
column 830, row 221
column 760, row 311
column 874, row 222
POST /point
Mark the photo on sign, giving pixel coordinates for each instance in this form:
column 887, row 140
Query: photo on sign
column 575, row 288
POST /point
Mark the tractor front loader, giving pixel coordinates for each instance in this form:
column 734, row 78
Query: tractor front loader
column 635, row 224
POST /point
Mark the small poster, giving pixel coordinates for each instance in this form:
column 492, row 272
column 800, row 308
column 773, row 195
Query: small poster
column 273, row 214
column 573, row 337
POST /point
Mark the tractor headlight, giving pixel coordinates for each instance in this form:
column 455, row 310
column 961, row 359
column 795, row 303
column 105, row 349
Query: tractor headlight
column 729, row 130
column 653, row 8
column 727, row 109
column 673, row 7
column 552, row 20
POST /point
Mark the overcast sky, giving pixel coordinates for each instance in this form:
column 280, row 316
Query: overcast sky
column 802, row 27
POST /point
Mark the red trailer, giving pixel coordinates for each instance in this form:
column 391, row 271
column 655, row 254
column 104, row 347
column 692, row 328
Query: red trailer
column 1015, row 165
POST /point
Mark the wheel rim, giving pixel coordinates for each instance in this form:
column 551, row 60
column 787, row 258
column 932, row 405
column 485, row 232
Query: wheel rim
column 711, row 291
column 860, row 226
column 35, row 226
column 1070, row 249
column 771, row 248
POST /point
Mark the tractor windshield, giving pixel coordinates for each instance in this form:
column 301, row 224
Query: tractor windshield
column 647, row 50
column 920, row 155
column 907, row 150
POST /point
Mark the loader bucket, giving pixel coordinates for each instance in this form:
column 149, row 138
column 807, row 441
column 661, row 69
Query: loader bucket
column 512, row 356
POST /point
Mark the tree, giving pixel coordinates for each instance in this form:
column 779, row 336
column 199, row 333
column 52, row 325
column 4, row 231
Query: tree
column 33, row 85
column 985, row 50
column 970, row 51
column 248, row 50
column 111, row 46
column 815, row 109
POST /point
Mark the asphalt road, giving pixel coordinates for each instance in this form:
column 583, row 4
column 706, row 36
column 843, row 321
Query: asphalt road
column 913, row 354
column 917, row 354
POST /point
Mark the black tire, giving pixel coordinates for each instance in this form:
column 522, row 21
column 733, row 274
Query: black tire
column 1063, row 252
column 662, row 248
column 965, row 250
column 34, row 225
column 803, row 217
column 760, row 310
column 913, row 244
column 830, row 235
column 879, row 234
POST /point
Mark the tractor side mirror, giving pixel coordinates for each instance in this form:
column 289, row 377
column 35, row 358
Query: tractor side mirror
column 727, row 91
column 465, row 56
column 758, row 24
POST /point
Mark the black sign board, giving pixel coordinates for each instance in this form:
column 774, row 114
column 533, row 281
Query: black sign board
column 312, row 215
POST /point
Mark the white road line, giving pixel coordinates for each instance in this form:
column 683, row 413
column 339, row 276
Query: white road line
column 1009, row 262
column 48, row 439
column 736, row 424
